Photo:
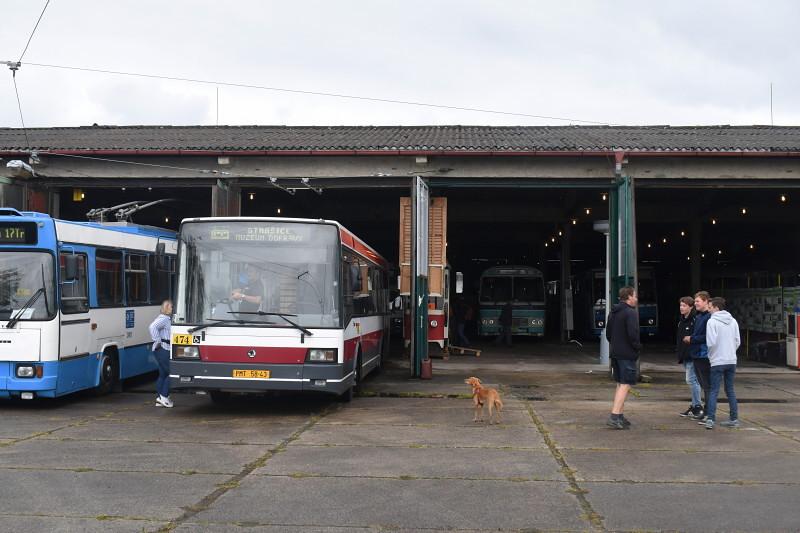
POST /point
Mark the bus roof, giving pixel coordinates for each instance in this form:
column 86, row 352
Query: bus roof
column 512, row 270
column 347, row 237
column 7, row 214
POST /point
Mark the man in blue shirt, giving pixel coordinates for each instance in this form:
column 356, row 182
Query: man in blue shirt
column 698, row 349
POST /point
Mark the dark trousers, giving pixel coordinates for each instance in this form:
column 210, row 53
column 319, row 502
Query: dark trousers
column 162, row 382
column 702, row 369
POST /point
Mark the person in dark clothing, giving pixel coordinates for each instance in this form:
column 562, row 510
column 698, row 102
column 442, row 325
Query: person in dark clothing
column 698, row 349
column 685, row 327
column 251, row 292
column 505, row 325
column 622, row 332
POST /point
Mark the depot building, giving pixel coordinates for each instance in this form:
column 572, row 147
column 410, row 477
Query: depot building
column 672, row 209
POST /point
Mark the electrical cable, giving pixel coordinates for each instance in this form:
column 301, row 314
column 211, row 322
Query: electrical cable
column 19, row 106
column 34, row 31
column 318, row 93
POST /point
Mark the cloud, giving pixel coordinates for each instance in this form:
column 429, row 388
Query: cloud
column 610, row 61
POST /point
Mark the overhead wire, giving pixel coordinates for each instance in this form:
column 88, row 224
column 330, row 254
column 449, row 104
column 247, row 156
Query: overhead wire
column 34, row 31
column 318, row 93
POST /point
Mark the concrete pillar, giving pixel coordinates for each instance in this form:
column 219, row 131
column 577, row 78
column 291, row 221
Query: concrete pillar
column 226, row 199
column 696, row 236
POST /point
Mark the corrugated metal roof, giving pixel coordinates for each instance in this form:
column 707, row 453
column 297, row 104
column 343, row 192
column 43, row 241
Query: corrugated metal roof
column 407, row 138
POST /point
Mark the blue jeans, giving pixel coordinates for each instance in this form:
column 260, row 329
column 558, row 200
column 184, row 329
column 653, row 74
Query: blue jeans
column 691, row 380
column 718, row 374
column 162, row 383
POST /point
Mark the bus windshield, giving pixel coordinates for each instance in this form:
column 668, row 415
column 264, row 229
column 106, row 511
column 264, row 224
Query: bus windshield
column 240, row 269
column 22, row 275
column 495, row 289
column 528, row 289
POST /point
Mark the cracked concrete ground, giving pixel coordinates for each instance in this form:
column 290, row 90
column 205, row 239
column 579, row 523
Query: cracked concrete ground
column 406, row 456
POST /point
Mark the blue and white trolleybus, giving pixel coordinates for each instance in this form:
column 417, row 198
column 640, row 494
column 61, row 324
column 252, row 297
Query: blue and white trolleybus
column 76, row 300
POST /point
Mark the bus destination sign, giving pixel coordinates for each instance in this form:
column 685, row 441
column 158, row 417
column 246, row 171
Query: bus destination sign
column 18, row 233
column 259, row 233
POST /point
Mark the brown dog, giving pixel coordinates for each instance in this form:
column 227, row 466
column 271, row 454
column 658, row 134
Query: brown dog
column 485, row 395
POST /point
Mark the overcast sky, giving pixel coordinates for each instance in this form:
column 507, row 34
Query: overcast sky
column 618, row 62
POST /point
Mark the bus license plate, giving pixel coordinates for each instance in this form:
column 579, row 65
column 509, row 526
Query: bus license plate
column 259, row 374
column 181, row 338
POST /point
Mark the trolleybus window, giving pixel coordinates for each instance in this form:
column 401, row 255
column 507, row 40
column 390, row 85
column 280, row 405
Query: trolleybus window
column 136, row 278
column 108, row 265
column 528, row 289
column 74, row 297
column 294, row 267
column 495, row 289
column 26, row 278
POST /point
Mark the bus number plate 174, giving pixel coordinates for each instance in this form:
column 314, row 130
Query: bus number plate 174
column 258, row 374
column 181, row 338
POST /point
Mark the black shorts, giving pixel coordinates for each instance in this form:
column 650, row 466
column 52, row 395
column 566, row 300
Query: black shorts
column 625, row 371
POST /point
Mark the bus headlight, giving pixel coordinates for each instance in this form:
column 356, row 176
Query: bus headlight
column 185, row 352
column 25, row 371
column 316, row 355
column 651, row 321
column 536, row 322
column 600, row 323
column 434, row 323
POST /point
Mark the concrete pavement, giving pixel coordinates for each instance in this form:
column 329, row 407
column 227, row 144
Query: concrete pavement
column 406, row 456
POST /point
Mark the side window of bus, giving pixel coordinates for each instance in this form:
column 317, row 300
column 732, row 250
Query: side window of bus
column 161, row 278
column 136, row 279
column 108, row 268
column 74, row 293
column 347, row 289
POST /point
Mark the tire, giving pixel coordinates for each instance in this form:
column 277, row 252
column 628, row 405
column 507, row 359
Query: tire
column 109, row 373
column 347, row 396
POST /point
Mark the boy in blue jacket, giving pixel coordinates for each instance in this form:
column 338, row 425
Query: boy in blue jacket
column 698, row 349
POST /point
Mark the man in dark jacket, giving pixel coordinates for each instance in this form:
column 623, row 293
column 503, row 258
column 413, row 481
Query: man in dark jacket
column 506, row 315
column 698, row 349
column 685, row 328
column 622, row 332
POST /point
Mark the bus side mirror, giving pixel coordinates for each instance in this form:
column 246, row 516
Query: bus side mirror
column 70, row 267
column 459, row 282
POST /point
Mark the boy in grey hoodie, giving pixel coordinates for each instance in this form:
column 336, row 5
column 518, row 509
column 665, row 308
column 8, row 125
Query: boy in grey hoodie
column 722, row 338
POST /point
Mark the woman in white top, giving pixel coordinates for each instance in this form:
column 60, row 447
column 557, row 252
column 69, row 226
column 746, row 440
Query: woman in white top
column 159, row 332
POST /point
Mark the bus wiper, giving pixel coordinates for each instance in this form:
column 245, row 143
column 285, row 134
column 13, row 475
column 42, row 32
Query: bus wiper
column 282, row 315
column 32, row 300
column 219, row 321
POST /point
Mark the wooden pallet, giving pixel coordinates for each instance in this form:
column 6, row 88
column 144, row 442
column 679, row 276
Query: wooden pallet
column 461, row 350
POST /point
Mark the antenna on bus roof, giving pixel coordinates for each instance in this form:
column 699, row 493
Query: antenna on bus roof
column 123, row 212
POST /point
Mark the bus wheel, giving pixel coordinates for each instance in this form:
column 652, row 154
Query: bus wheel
column 109, row 373
column 347, row 396
column 379, row 363
column 219, row 397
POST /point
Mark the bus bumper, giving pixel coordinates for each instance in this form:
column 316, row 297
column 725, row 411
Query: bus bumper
column 192, row 376
column 12, row 387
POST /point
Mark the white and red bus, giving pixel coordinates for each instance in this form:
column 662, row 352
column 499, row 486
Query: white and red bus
column 276, row 304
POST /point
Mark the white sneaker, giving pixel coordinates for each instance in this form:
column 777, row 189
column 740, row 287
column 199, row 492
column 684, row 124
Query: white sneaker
column 163, row 401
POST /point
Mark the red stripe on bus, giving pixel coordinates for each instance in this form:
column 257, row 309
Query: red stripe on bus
column 239, row 354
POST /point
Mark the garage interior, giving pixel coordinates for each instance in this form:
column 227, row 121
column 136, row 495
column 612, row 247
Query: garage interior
column 731, row 237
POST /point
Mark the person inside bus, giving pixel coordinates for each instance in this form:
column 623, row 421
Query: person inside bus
column 251, row 291
column 159, row 332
